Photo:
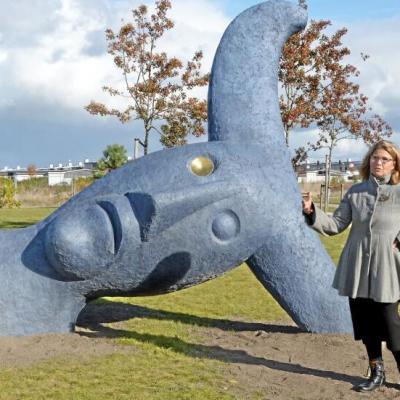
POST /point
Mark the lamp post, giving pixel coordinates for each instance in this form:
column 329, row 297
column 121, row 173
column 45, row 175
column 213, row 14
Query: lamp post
column 327, row 174
column 136, row 141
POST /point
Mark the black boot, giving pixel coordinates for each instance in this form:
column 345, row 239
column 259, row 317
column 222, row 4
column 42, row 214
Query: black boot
column 376, row 378
column 397, row 358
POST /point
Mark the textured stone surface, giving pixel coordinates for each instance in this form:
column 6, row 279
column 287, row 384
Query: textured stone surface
column 173, row 219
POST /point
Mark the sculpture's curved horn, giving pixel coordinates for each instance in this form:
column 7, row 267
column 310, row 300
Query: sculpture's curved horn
column 243, row 94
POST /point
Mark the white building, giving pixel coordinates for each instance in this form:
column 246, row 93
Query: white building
column 319, row 176
column 56, row 175
column 60, row 177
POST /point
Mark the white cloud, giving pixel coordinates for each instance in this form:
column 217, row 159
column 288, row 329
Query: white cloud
column 191, row 34
column 346, row 148
column 353, row 149
column 56, row 65
column 379, row 78
column 3, row 56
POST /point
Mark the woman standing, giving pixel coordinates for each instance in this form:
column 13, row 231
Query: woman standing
column 369, row 266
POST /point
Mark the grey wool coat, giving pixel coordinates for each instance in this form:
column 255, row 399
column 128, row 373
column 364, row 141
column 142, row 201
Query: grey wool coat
column 369, row 265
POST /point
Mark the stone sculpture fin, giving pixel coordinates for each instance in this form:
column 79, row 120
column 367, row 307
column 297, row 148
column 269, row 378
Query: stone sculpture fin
column 243, row 93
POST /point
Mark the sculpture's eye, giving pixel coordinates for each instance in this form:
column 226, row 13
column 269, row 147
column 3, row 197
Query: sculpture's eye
column 202, row 166
column 226, row 225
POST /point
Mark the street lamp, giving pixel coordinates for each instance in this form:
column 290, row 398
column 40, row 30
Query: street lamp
column 136, row 147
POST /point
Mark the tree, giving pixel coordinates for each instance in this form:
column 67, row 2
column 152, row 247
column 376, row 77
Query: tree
column 342, row 113
column 156, row 87
column 318, row 89
column 31, row 169
column 300, row 76
column 114, row 156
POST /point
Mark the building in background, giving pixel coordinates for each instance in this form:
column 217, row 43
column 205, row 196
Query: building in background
column 57, row 175
column 315, row 172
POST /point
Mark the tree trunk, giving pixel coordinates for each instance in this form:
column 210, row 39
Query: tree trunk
column 329, row 167
column 326, row 189
column 287, row 131
column 146, row 141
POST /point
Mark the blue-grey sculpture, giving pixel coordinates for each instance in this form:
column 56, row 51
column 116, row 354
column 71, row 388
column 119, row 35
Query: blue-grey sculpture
column 182, row 216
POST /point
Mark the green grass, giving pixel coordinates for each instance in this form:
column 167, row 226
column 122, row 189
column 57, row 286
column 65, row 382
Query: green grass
column 236, row 295
column 148, row 373
column 334, row 244
column 170, row 358
column 22, row 217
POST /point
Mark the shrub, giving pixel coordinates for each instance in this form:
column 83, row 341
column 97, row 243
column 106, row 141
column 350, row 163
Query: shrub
column 7, row 194
column 114, row 156
column 32, row 184
column 81, row 183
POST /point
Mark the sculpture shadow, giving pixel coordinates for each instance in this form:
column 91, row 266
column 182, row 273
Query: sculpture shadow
column 14, row 224
column 94, row 314
column 218, row 353
column 168, row 272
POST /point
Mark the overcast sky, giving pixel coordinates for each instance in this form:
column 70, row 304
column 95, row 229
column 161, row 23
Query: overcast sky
column 53, row 62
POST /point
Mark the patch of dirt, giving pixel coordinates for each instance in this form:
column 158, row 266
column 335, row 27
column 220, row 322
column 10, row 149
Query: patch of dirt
column 24, row 351
column 283, row 363
column 277, row 360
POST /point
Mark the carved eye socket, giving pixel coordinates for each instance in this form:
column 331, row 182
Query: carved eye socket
column 202, row 166
column 226, row 225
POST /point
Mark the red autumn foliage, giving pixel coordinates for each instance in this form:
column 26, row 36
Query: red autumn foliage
column 31, row 169
column 318, row 89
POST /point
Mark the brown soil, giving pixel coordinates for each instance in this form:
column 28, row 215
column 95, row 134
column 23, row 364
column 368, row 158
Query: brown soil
column 285, row 364
column 27, row 350
column 277, row 360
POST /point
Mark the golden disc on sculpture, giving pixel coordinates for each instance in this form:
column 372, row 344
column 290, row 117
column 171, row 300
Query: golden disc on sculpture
column 202, row 166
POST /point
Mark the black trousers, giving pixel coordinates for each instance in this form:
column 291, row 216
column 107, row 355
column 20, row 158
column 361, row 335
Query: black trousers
column 376, row 321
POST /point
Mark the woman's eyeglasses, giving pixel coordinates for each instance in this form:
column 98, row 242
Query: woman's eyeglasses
column 383, row 160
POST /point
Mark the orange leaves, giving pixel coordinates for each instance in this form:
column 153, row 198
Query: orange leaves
column 188, row 117
column 126, row 30
column 31, row 169
column 142, row 10
column 97, row 108
column 192, row 76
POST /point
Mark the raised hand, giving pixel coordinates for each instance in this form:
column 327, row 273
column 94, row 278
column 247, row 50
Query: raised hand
column 307, row 203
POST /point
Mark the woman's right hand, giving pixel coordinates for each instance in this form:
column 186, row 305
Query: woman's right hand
column 307, row 203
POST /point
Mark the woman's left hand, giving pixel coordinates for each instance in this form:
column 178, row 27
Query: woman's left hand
column 396, row 244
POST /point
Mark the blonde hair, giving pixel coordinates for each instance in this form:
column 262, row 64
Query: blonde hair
column 393, row 150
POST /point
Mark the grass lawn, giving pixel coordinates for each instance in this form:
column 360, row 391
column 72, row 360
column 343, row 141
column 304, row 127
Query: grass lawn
column 334, row 244
column 22, row 217
column 170, row 359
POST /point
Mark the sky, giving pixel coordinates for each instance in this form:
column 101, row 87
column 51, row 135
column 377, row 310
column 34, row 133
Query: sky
column 54, row 61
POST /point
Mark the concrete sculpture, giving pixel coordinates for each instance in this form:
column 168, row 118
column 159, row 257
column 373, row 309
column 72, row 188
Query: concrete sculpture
column 182, row 216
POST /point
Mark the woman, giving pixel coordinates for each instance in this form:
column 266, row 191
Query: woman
column 369, row 266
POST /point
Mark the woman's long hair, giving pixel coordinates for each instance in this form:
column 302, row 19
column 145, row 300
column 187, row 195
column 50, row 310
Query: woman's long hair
column 393, row 150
